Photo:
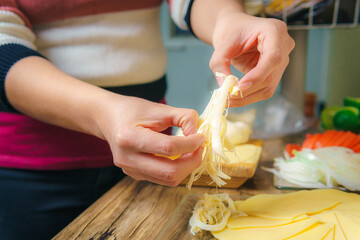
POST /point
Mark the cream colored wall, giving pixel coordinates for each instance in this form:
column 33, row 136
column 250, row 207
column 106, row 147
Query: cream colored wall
column 343, row 78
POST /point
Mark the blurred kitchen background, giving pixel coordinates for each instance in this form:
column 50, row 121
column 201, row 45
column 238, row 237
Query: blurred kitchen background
column 324, row 67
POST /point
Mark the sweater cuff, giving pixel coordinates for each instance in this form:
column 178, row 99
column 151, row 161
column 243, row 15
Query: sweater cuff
column 187, row 17
column 9, row 55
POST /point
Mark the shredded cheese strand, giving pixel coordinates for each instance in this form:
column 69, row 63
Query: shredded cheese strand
column 213, row 127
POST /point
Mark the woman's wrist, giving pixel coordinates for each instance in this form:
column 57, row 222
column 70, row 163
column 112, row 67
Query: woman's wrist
column 206, row 13
column 101, row 108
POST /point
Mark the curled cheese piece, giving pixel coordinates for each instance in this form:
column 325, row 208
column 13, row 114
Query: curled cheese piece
column 211, row 213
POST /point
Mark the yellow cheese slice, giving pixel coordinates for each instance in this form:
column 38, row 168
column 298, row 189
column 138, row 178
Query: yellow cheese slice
column 324, row 214
column 350, row 225
column 343, row 197
column 245, row 153
column 349, row 206
column 238, row 203
column 330, row 217
column 330, row 235
column 289, row 205
column 256, row 222
column 316, row 232
column 271, row 233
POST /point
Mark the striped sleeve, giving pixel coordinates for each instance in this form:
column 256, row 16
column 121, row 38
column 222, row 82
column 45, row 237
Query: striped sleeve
column 180, row 13
column 16, row 42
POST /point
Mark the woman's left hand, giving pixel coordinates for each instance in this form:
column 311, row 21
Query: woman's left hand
column 258, row 47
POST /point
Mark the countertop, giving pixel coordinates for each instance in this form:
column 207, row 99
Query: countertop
column 139, row 209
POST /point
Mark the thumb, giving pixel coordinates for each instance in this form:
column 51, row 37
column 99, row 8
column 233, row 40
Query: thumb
column 220, row 63
column 186, row 119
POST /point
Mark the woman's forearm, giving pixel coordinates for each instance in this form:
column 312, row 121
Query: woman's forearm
column 204, row 14
column 132, row 126
column 37, row 88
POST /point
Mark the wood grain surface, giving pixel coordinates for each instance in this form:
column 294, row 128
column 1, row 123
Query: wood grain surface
column 140, row 210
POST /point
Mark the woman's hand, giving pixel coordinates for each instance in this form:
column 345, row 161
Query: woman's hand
column 133, row 127
column 258, row 47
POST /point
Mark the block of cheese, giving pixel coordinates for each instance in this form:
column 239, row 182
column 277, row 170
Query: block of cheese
column 242, row 165
column 243, row 160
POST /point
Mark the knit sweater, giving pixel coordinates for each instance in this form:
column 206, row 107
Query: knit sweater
column 114, row 44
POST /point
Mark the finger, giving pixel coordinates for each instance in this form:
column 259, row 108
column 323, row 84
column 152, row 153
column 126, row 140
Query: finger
column 186, row 119
column 271, row 57
column 253, row 87
column 267, row 90
column 141, row 177
column 260, row 95
column 270, row 81
column 157, row 143
column 147, row 141
column 163, row 116
column 247, row 61
column 162, row 170
column 226, row 51
column 167, row 116
column 220, row 62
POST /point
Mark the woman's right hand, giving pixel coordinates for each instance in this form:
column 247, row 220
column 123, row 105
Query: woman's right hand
column 133, row 127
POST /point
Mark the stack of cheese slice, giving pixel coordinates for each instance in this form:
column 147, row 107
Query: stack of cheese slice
column 305, row 215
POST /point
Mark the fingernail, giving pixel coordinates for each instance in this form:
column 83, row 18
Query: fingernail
column 245, row 86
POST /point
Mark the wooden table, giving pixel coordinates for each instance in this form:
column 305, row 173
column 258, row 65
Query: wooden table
column 139, row 209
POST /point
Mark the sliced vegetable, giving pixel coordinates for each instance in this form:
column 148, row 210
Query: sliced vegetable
column 342, row 138
column 357, row 148
column 291, row 147
column 331, row 138
column 315, row 139
column 327, row 138
column 308, row 141
column 320, row 168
